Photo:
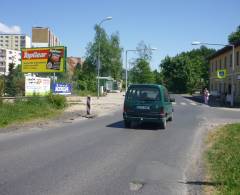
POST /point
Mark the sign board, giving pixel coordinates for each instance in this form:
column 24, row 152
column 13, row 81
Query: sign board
column 46, row 59
column 221, row 73
column 62, row 88
column 37, row 86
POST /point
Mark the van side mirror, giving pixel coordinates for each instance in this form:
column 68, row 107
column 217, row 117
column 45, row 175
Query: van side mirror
column 172, row 99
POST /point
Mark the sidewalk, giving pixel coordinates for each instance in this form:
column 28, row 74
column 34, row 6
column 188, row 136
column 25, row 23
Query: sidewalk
column 213, row 102
column 99, row 107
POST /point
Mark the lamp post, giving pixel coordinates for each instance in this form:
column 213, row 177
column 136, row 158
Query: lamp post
column 233, row 64
column 98, row 67
column 126, row 63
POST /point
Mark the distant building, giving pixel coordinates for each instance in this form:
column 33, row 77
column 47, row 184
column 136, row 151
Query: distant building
column 222, row 61
column 14, row 41
column 72, row 62
column 44, row 37
column 8, row 56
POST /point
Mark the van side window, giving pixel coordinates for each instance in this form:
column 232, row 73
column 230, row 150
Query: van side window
column 166, row 96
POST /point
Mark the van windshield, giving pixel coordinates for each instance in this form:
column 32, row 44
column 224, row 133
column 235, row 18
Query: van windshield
column 143, row 93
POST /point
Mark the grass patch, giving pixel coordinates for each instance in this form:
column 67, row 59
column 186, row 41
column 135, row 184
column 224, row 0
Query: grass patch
column 32, row 108
column 223, row 159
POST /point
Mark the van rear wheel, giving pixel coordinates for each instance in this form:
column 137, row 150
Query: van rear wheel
column 127, row 124
column 163, row 124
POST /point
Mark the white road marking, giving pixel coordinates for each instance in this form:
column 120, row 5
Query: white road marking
column 183, row 103
column 193, row 103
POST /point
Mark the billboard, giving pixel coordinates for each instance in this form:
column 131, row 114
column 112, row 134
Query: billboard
column 48, row 59
column 37, row 86
column 62, row 88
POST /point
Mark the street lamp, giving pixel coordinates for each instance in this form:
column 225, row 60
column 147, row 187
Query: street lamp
column 126, row 64
column 233, row 61
column 98, row 67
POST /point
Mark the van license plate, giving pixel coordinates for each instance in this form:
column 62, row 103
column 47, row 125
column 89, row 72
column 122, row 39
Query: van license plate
column 143, row 107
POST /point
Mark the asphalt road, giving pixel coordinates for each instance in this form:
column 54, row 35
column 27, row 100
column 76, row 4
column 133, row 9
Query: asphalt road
column 99, row 156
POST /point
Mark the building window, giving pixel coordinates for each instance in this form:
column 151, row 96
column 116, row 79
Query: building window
column 225, row 61
column 237, row 58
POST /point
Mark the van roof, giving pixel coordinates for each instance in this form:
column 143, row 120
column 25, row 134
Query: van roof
column 146, row 85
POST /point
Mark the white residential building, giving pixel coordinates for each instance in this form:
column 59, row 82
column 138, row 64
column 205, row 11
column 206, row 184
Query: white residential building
column 8, row 56
column 14, row 41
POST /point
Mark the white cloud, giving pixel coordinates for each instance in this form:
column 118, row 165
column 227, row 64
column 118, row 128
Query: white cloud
column 9, row 29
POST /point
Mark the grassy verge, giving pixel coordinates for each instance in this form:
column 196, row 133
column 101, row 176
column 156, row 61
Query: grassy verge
column 223, row 159
column 32, row 108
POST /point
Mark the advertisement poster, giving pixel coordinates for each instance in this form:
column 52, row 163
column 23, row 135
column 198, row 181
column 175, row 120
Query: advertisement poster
column 49, row 59
column 62, row 88
column 37, row 86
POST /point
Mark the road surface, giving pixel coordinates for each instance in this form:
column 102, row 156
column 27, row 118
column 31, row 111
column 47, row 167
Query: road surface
column 100, row 156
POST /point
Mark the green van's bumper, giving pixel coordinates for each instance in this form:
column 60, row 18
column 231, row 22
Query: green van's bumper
column 153, row 118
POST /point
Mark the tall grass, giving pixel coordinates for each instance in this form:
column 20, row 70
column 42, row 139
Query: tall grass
column 223, row 159
column 31, row 108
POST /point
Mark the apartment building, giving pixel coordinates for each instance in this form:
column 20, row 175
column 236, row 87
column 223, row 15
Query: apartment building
column 44, row 37
column 14, row 41
column 221, row 61
column 8, row 56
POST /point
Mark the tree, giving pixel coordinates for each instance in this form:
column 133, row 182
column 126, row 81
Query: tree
column 234, row 36
column 158, row 77
column 141, row 72
column 187, row 71
column 10, row 88
column 1, row 86
column 110, row 54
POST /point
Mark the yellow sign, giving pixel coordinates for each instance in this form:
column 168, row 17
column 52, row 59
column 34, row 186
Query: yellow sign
column 221, row 73
column 49, row 59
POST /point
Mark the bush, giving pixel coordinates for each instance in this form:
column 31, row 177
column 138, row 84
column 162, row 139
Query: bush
column 1, row 86
column 58, row 101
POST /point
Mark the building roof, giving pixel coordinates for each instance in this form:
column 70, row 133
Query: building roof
column 223, row 50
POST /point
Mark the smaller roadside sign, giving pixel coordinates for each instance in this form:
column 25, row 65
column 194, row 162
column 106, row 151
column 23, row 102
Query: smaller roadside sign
column 37, row 86
column 62, row 88
column 221, row 73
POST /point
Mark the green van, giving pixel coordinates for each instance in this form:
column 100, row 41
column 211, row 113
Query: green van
column 147, row 103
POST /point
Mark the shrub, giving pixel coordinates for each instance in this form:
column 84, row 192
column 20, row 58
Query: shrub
column 58, row 101
column 1, row 86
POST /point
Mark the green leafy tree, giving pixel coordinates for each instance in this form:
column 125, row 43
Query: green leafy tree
column 234, row 36
column 187, row 71
column 158, row 77
column 141, row 72
column 1, row 86
column 10, row 87
column 110, row 58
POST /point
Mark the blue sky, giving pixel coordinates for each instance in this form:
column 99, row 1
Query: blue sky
column 169, row 25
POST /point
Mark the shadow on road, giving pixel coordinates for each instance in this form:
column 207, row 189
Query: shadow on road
column 202, row 183
column 135, row 126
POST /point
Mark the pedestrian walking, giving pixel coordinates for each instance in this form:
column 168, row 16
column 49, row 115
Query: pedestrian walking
column 206, row 96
